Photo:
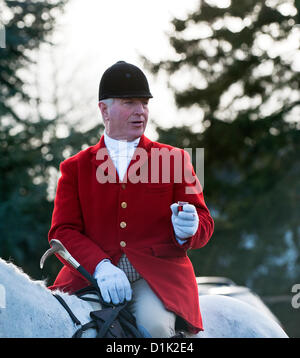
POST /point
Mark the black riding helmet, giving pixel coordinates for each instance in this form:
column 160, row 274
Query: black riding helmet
column 123, row 80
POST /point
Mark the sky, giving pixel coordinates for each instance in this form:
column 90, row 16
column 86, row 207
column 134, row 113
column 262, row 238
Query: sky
column 94, row 34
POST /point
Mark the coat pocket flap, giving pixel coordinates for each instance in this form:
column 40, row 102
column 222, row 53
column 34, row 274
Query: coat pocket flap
column 168, row 250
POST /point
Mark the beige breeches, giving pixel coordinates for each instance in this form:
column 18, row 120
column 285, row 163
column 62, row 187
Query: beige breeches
column 149, row 311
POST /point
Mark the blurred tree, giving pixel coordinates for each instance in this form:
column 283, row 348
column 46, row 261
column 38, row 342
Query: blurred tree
column 31, row 147
column 236, row 66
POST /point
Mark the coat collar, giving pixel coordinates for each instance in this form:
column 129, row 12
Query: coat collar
column 100, row 155
column 143, row 143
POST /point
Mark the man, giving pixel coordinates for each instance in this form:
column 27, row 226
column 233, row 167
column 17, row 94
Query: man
column 116, row 212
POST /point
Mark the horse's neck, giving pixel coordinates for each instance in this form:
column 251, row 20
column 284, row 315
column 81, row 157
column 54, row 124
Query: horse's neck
column 29, row 301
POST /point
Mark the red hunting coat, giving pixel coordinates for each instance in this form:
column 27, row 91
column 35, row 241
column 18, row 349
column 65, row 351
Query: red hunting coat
column 95, row 219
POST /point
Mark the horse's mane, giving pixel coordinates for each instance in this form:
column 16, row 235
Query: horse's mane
column 17, row 273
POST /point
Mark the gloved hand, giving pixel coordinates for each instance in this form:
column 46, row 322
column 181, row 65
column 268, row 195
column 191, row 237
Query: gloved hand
column 113, row 283
column 185, row 222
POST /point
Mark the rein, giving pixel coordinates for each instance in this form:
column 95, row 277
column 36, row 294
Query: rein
column 110, row 322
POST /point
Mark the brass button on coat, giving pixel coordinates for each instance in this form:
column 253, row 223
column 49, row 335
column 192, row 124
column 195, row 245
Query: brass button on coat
column 123, row 243
column 124, row 204
column 123, row 224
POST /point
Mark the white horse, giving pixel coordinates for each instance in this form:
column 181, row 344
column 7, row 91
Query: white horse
column 29, row 310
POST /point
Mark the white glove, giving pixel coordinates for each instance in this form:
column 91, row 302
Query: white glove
column 185, row 222
column 113, row 283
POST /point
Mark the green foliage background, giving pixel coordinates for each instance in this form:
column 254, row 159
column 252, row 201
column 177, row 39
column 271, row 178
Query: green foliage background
column 252, row 147
column 30, row 149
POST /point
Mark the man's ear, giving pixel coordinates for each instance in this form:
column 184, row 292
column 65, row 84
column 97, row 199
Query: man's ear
column 103, row 108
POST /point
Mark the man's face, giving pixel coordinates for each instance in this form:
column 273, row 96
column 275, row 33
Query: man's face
column 125, row 118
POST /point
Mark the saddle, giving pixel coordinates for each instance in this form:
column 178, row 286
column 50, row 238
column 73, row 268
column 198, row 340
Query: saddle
column 110, row 322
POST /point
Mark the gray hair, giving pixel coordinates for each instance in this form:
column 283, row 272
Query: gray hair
column 107, row 101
